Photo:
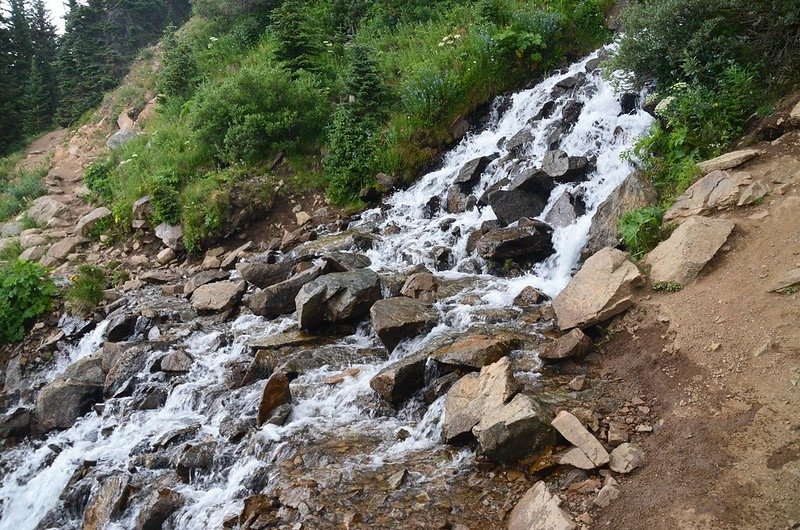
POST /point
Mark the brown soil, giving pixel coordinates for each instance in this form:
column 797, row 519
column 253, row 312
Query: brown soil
column 720, row 362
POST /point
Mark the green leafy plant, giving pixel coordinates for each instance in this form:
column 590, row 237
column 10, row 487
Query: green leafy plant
column 98, row 176
column 669, row 287
column 26, row 292
column 206, row 205
column 639, row 230
column 86, row 291
column 165, row 198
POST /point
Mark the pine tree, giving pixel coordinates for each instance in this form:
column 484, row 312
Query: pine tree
column 37, row 101
column 9, row 117
column 179, row 75
column 364, row 84
column 44, row 99
column 299, row 42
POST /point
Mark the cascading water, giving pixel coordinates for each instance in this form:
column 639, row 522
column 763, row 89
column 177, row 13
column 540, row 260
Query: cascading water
column 338, row 435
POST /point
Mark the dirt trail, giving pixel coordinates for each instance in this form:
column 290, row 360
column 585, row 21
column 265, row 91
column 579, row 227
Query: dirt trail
column 720, row 362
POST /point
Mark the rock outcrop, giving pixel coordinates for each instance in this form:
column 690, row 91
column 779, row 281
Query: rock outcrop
column 400, row 318
column 342, row 297
column 717, row 191
column 728, row 160
column 531, row 240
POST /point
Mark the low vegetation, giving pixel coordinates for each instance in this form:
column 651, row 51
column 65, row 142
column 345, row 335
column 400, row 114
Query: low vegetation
column 86, row 291
column 343, row 90
column 26, row 292
column 711, row 66
column 18, row 186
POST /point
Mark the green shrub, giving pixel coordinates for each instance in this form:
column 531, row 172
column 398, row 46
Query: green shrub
column 25, row 185
column 351, row 160
column 640, row 230
column 165, row 197
column 256, row 112
column 206, row 206
column 179, row 73
column 98, row 178
column 86, row 291
column 26, row 292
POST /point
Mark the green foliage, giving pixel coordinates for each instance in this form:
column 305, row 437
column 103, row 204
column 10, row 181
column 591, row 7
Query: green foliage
column 86, row 291
column 669, row 287
column 98, row 178
column 25, row 185
column 640, row 230
column 256, row 112
column 165, row 198
column 10, row 251
column 206, row 207
column 299, row 42
column 350, row 163
column 26, row 292
column 179, row 73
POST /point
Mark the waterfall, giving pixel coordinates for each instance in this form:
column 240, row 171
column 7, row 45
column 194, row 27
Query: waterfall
column 340, row 432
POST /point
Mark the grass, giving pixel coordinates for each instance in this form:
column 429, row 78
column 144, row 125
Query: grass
column 19, row 187
column 86, row 291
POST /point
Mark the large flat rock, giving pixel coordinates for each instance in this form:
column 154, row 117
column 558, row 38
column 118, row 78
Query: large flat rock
column 538, row 509
column 601, row 289
column 400, row 318
column 680, row 258
column 716, row 191
column 728, row 160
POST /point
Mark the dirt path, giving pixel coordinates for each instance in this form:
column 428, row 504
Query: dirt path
column 719, row 362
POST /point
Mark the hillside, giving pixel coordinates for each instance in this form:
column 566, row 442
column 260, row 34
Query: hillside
column 306, row 267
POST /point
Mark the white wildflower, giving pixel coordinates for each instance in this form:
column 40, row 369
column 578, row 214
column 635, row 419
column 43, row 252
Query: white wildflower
column 663, row 105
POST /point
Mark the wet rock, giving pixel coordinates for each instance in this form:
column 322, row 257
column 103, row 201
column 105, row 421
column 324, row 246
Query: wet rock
column 538, row 509
column 474, row 352
column 728, row 160
column 571, row 82
column 455, row 200
column 472, row 396
column 601, row 289
column 517, row 142
column 44, row 209
column 400, row 380
column 63, row 401
column 471, row 172
column 573, row 430
column 150, row 397
column 634, row 192
column 532, row 241
column 571, row 112
column 545, row 112
column 279, row 299
column 276, row 393
column 626, row 458
column 218, row 296
column 106, row 502
column 91, row 220
column 442, row 258
column 16, row 424
column 339, row 297
column 681, row 258
column 431, row 207
column 439, row 387
column 194, row 457
column 422, row 286
column 123, row 368
column 176, row 362
column 282, row 340
column 563, row 213
column 157, row 508
column 715, row 191
column 564, row 168
column 347, row 261
column 204, row 278
column 512, row 205
column 628, row 102
column 514, row 431
column 529, row 296
column 573, row 344
column 401, row 318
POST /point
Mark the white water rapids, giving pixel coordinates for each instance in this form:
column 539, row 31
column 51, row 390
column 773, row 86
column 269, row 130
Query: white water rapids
column 34, row 475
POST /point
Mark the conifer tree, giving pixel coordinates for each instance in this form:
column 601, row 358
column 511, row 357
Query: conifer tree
column 364, row 83
column 37, row 100
column 298, row 41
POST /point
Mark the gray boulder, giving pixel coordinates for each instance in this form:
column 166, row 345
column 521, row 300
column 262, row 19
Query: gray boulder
column 120, row 138
column 400, row 318
column 342, row 297
column 564, row 168
column 279, row 299
column 512, row 205
column 91, row 219
column 64, row 400
column 514, row 431
column 170, row 235
column 531, row 240
column 219, row 296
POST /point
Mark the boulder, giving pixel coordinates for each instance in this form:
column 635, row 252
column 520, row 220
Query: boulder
column 563, row 212
column 752, row 193
column 728, row 160
column 262, row 274
column 538, row 509
column 91, row 219
column 106, row 502
column 400, row 318
column 571, row 112
column 142, row 209
column 471, row 172
column 279, row 299
column 680, row 258
column 715, row 191
column 532, row 179
column 204, row 278
column 634, row 192
column 219, row 296
column 529, row 296
column 63, row 401
column 276, row 393
column 422, row 286
column 518, row 141
column 787, row 280
column 514, row 431
column 512, row 205
column 626, row 458
column 177, row 361
column 33, row 254
column 123, row 370
column 561, row 167
column 11, row 229
column 472, row 396
column 573, row 344
column 170, row 235
column 400, row 380
column 121, row 327
column 474, row 352
column 16, row 424
column 342, row 297
column 32, row 239
column 455, row 200
column 165, row 256
column 533, row 241
column 601, row 289
column 574, row 432
column 65, row 247
column 45, row 209
column 157, row 508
